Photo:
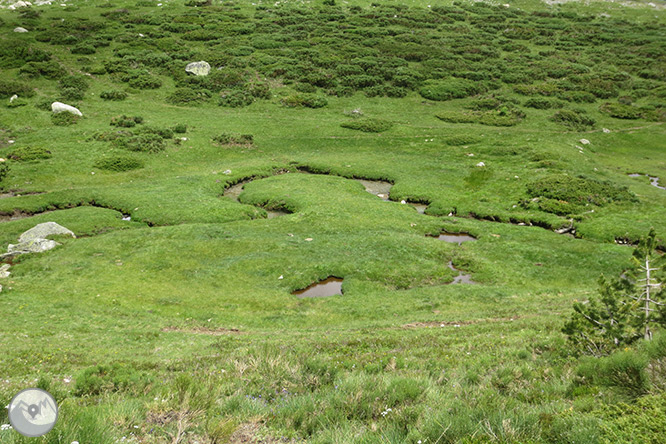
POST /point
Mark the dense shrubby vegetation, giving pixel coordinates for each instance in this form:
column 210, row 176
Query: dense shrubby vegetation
column 234, row 139
column 118, row 163
column 368, row 125
column 29, row 153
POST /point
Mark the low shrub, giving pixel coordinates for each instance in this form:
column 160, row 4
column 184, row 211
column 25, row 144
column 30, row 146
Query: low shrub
column 234, row 139
column 621, row 111
column 29, row 153
column 16, row 103
column 49, row 69
column 114, row 95
column 188, row 96
column 8, row 88
column 124, row 121
column 236, row 99
column 573, row 119
column 147, row 142
column 577, row 191
column 64, row 119
column 180, row 128
column 542, row 103
column 119, row 163
column 461, row 140
column 503, row 117
column 141, row 79
column 304, row 100
column 4, row 169
column 451, row 89
column 71, row 95
column 83, row 48
column 368, row 125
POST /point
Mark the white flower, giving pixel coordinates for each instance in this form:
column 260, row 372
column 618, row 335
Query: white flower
column 5, row 426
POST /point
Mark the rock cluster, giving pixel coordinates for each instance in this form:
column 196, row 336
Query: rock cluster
column 35, row 239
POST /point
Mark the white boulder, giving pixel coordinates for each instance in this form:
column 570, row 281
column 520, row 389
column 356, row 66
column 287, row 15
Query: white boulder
column 59, row 107
column 201, row 68
column 481, row 164
column 12, row 98
column 20, row 29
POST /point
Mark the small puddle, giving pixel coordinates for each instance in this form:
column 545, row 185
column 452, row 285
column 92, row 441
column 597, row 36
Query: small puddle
column 455, row 238
column 379, row 188
column 462, row 278
column 420, row 208
column 331, row 286
column 654, row 181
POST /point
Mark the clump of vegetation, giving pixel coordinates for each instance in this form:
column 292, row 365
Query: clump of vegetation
column 49, row 69
column 141, row 79
column 368, row 125
column 236, row 99
column 188, row 96
column 101, row 379
column 124, row 121
column 304, row 100
column 4, row 169
column 180, row 128
column 573, row 119
column 451, row 89
column 64, row 119
column 234, row 139
column 562, row 194
column 628, row 111
column 8, row 88
column 542, row 103
column 505, row 116
column 148, row 143
column 29, row 153
column 461, row 140
column 16, row 103
column 114, row 95
column 626, row 309
column 119, row 163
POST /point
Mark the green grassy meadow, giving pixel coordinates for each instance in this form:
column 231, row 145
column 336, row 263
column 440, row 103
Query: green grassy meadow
column 179, row 326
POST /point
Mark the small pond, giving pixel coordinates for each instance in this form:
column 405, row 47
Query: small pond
column 455, row 238
column 331, row 286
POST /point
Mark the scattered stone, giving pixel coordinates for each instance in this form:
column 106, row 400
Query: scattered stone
column 227, row 172
column 584, row 141
column 198, row 68
column 470, row 154
column 403, row 202
column 20, row 29
column 4, row 271
column 606, row 130
column 12, row 98
column 481, row 164
column 59, row 107
column 34, row 240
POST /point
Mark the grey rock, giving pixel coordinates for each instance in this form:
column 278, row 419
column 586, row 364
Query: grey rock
column 201, row 68
column 4, row 271
column 42, row 231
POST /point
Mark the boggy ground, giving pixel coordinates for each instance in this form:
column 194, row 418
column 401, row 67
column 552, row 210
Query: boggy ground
column 175, row 327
